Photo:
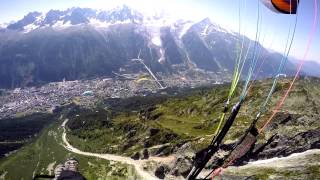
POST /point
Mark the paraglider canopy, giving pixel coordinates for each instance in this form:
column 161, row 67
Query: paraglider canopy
column 143, row 79
column 282, row 6
column 87, row 93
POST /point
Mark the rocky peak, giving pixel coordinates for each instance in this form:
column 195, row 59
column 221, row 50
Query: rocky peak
column 75, row 16
column 28, row 19
column 52, row 17
column 205, row 27
column 121, row 13
column 78, row 15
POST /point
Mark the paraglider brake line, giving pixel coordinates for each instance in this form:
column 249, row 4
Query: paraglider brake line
column 281, row 101
column 203, row 156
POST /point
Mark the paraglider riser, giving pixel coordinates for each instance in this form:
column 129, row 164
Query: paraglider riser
column 203, row 156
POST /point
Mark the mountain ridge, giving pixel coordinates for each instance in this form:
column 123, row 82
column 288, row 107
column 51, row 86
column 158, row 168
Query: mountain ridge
column 84, row 43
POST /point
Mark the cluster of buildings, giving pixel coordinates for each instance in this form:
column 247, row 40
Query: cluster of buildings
column 22, row 101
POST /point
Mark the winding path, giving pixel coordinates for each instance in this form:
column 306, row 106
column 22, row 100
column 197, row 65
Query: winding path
column 138, row 164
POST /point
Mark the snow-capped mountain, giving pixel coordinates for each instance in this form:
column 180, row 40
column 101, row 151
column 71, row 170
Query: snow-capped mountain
column 99, row 18
column 77, row 16
column 83, row 43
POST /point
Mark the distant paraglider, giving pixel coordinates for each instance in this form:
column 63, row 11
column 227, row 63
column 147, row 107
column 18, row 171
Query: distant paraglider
column 138, row 59
column 87, row 93
column 143, row 79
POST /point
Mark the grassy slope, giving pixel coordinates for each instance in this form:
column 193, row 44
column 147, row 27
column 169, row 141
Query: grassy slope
column 197, row 114
column 37, row 156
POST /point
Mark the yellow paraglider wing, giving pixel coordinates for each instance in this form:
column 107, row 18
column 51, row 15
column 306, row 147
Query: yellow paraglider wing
column 142, row 80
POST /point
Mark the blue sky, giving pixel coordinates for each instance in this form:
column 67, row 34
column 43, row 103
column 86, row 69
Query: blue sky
column 274, row 27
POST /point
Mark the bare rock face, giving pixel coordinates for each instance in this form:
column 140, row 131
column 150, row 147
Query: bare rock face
column 136, row 156
column 161, row 171
column 146, row 114
column 153, row 131
column 163, row 151
column 284, row 146
column 182, row 166
column 145, row 154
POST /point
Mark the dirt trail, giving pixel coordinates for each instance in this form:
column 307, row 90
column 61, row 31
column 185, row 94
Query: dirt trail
column 294, row 160
column 138, row 164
